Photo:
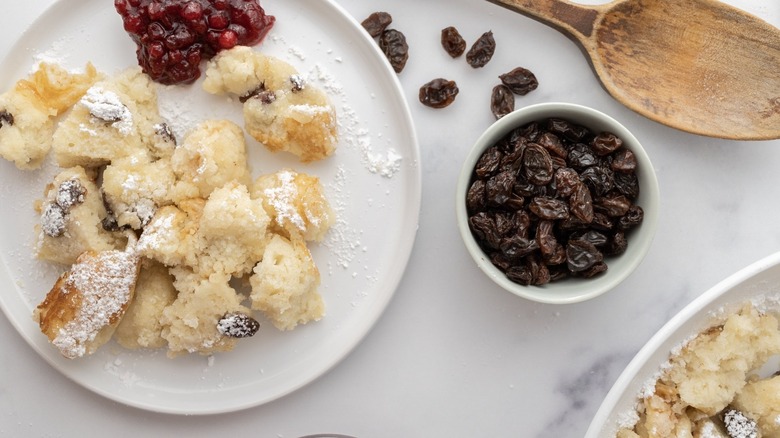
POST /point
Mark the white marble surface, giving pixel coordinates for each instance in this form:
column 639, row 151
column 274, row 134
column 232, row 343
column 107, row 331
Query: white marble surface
column 454, row 355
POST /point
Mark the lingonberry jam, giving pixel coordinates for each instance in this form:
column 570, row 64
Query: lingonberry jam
column 174, row 36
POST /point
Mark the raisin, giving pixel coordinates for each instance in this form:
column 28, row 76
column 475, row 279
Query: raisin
column 252, row 93
column 553, row 144
column 237, row 325
column 616, row 245
column 452, row 41
column 482, row 50
column 484, row 227
column 502, row 102
column 488, row 163
column 599, row 179
column 6, row 118
column 582, row 255
column 545, row 236
column 537, row 164
column 109, row 223
column 70, row 193
column 623, row 161
column 376, row 23
column 581, row 204
column 520, row 275
column 594, row 270
column 438, row 93
column 566, row 129
column 606, row 143
column 164, row 131
column 394, row 46
column 633, row 217
column 267, row 97
column 738, row 424
column 549, row 208
column 476, row 198
column 581, row 157
column 627, row 184
column 520, row 80
column 613, row 206
column 499, row 188
column 594, row 237
column 516, row 247
column 297, row 83
column 54, row 220
column 567, row 180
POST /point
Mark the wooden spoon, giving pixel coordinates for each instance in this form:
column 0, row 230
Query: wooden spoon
column 697, row 65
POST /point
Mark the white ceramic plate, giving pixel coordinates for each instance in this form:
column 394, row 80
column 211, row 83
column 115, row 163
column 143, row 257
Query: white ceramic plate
column 758, row 283
column 361, row 261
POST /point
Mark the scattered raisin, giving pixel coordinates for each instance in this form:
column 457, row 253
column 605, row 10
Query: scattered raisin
column 482, row 50
column 502, row 102
column 376, row 23
column 520, row 80
column 394, row 46
column 545, row 205
column 438, row 93
column 452, row 41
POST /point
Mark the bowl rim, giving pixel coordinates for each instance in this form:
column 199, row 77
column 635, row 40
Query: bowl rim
column 566, row 292
column 725, row 297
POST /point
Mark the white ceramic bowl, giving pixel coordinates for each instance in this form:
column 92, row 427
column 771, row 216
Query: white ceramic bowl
column 569, row 290
column 758, row 283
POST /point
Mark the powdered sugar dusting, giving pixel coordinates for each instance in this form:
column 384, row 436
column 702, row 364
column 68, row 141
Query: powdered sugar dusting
column 282, row 199
column 105, row 106
column 105, row 282
column 158, row 232
column 386, row 163
column 342, row 240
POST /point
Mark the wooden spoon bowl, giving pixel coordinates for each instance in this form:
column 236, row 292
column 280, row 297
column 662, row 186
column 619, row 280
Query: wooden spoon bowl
column 700, row 66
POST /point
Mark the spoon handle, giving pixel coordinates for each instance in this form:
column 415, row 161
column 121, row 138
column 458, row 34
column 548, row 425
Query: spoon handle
column 575, row 20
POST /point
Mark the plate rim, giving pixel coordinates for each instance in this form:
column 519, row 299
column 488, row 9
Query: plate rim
column 404, row 247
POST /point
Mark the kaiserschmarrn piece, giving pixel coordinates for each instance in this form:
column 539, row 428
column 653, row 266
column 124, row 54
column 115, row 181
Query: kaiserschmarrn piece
column 284, row 284
column 28, row 110
column 716, row 374
column 232, row 232
column 296, row 203
column 210, row 156
column 171, row 236
column 72, row 216
column 154, row 292
column 281, row 109
column 84, row 307
column 191, row 324
column 135, row 187
column 760, row 400
column 115, row 118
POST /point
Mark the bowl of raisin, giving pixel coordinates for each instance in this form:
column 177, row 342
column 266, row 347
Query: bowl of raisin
column 549, row 203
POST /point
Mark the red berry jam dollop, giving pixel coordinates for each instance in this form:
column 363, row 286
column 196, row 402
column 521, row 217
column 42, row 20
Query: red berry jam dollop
column 173, row 36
